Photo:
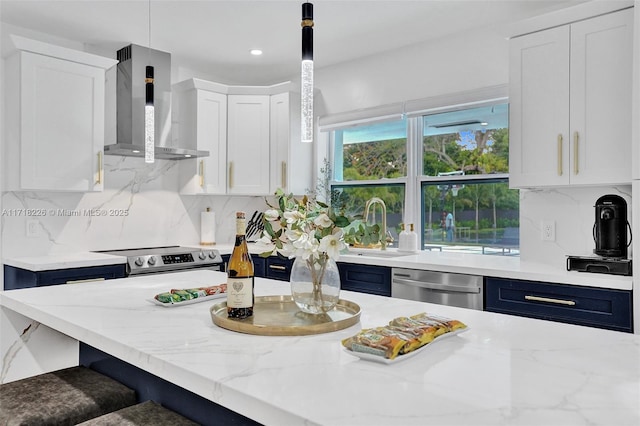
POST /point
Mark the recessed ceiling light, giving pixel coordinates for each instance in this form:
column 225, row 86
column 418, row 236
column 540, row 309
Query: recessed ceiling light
column 484, row 123
column 256, row 52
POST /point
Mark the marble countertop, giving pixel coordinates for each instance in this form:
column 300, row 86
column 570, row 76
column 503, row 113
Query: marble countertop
column 502, row 370
column 463, row 263
column 64, row 261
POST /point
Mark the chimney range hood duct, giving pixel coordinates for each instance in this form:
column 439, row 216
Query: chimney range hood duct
column 130, row 101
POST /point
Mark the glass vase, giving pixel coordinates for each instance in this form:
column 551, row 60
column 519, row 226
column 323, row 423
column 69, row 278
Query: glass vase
column 315, row 284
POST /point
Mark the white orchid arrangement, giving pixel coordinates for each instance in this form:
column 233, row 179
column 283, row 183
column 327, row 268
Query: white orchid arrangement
column 309, row 229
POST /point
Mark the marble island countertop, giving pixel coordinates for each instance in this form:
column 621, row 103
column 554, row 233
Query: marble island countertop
column 464, row 263
column 502, row 370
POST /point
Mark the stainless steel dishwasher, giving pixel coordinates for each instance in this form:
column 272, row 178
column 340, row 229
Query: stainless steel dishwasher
column 444, row 288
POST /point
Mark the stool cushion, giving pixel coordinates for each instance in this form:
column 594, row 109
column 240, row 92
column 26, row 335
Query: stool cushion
column 147, row 413
column 63, row 397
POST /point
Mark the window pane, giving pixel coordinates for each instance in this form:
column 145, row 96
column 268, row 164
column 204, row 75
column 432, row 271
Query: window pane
column 473, row 141
column 352, row 198
column 473, row 216
column 371, row 152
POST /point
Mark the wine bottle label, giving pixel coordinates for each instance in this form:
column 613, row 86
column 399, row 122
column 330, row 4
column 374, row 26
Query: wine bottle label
column 240, row 292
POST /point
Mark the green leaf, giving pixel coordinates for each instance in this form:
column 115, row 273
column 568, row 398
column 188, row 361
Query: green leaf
column 342, row 222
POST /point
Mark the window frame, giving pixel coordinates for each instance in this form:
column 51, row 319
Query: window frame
column 415, row 178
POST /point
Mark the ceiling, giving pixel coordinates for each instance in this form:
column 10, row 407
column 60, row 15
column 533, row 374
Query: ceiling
column 214, row 37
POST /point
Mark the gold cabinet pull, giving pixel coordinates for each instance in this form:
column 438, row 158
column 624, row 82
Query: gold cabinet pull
column 549, row 300
column 278, row 267
column 284, row 174
column 230, row 174
column 575, row 153
column 88, row 280
column 99, row 178
column 559, row 155
column 201, row 173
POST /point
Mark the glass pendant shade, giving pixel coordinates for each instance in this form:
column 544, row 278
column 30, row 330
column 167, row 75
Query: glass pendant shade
column 307, row 101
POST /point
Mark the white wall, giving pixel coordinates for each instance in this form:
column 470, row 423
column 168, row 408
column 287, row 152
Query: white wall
column 444, row 66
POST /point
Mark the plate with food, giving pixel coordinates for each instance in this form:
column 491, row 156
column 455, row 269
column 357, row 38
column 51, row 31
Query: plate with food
column 180, row 297
column 402, row 338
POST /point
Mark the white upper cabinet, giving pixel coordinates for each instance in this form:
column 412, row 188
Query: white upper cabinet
column 570, row 104
column 251, row 133
column 55, row 115
column 291, row 166
column 248, row 146
column 202, row 125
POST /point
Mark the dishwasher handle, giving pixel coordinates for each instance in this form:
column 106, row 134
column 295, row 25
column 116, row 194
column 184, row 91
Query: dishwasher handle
column 438, row 286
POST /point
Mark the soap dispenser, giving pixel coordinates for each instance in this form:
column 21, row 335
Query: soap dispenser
column 412, row 240
column 403, row 239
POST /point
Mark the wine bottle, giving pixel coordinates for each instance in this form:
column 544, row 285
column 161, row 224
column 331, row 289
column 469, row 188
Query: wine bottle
column 240, row 297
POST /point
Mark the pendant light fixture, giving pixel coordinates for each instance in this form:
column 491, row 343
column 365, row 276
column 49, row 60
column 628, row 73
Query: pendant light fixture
column 307, row 73
column 149, row 110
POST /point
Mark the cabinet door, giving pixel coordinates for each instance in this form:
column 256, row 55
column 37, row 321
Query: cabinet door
column 280, row 142
column 291, row 166
column 62, row 124
column 202, row 125
column 539, row 109
column 601, row 69
column 248, row 161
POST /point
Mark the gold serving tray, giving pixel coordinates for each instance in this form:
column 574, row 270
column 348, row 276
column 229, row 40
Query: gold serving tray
column 280, row 316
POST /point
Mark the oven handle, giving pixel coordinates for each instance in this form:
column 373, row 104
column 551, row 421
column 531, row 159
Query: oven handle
column 436, row 286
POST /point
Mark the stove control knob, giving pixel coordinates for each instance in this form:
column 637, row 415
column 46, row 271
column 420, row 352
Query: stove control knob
column 139, row 261
column 152, row 260
column 212, row 254
column 202, row 256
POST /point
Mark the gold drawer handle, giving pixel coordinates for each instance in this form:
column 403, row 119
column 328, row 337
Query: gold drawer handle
column 99, row 178
column 549, row 300
column 559, row 155
column 230, row 174
column 575, row 153
column 278, row 267
column 88, row 280
column 201, row 173
column 284, row 174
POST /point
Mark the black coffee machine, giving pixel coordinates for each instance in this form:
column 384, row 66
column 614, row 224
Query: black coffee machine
column 610, row 227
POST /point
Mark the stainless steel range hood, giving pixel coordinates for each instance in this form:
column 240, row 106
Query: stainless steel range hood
column 130, row 100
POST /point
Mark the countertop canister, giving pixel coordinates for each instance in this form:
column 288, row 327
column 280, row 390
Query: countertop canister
column 207, row 227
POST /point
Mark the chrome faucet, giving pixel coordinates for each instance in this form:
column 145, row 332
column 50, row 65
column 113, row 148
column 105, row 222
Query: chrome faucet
column 375, row 200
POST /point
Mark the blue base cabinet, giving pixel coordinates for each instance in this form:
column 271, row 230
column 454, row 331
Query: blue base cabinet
column 15, row 278
column 258, row 264
column 365, row 278
column 594, row 307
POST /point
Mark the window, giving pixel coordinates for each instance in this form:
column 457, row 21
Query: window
column 446, row 171
column 465, row 197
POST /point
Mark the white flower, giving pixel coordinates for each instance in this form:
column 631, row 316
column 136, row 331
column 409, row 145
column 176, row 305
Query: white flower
column 323, row 221
column 265, row 244
column 271, row 215
column 332, row 244
column 293, row 216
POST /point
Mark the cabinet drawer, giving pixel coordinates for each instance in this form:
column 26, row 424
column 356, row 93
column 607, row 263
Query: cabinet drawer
column 278, row 268
column 15, row 278
column 365, row 278
column 595, row 307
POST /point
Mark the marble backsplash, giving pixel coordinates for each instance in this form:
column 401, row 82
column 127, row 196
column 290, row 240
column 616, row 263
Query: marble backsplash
column 572, row 210
column 140, row 207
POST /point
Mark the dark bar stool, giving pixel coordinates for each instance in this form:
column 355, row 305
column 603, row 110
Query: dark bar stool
column 63, row 397
column 144, row 414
